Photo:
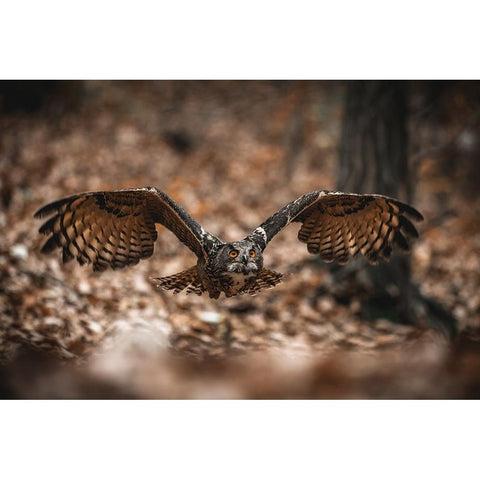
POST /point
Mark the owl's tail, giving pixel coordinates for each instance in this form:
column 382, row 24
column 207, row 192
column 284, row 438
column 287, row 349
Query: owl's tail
column 188, row 279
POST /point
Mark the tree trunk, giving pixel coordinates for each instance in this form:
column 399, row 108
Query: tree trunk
column 374, row 159
column 374, row 142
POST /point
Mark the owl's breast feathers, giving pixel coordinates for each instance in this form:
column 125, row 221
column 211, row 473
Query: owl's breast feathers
column 234, row 283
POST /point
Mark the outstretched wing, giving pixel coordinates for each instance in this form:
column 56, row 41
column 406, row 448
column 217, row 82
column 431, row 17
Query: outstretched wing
column 339, row 225
column 117, row 228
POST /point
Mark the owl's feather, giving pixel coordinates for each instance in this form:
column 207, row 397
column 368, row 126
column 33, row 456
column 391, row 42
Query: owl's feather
column 266, row 279
column 188, row 280
column 117, row 228
column 338, row 226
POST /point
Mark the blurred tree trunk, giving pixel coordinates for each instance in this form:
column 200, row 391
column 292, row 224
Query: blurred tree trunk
column 374, row 142
column 373, row 158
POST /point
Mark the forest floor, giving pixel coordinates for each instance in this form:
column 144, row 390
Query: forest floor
column 231, row 153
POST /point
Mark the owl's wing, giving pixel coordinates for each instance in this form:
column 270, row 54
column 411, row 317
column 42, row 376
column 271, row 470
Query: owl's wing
column 117, row 228
column 339, row 225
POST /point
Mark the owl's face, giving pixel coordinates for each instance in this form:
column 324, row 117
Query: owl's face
column 239, row 257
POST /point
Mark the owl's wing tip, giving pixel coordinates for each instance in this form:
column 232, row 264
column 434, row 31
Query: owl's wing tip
column 411, row 212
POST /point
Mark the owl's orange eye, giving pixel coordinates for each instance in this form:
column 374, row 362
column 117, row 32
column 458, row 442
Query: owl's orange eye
column 233, row 254
column 252, row 254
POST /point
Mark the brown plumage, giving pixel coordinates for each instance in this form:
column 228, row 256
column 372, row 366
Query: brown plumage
column 115, row 229
column 338, row 227
column 187, row 280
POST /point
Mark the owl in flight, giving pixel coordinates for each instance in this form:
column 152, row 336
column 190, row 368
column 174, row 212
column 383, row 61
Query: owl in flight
column 117, row 228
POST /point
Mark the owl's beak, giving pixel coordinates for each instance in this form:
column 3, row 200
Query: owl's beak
column 244, row 258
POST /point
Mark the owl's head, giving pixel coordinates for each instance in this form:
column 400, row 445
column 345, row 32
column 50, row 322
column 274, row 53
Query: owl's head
column 239, row 257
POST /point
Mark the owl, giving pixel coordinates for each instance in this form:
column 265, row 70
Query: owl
column 117, row 228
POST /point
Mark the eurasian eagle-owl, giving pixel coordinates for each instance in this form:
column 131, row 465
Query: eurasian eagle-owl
column 117, row 228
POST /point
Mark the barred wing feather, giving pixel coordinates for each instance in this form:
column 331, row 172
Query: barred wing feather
column 117, row 228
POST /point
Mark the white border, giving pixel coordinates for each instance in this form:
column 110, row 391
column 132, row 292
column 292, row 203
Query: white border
column 239, row 439
column 247, row 40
